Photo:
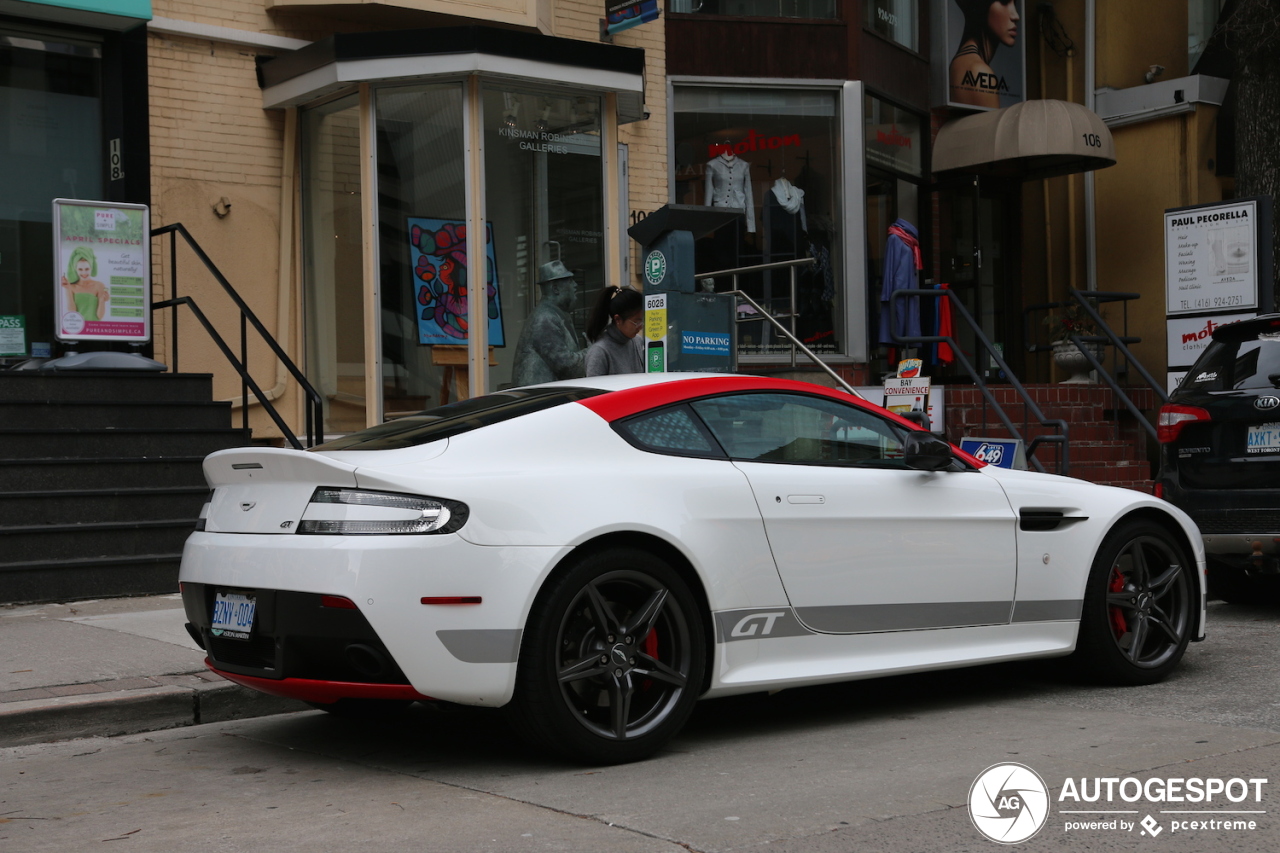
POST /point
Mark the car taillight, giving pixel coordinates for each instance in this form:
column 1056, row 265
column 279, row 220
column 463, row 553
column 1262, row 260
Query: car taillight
column 1173, row 418
column 355, row 512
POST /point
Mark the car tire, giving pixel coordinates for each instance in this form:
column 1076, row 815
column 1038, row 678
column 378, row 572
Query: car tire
column 612, row 659
column 1140, row 606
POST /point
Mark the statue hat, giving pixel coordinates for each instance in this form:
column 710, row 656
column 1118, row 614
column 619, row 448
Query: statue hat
column 553, row 271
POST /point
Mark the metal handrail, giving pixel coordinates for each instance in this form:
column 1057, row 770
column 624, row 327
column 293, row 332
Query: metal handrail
column 1087, row 300
column 796, row 343
column 238, row 365
column 1119, row 343
column 791, row 314
column 315, row 408
column 958, row 309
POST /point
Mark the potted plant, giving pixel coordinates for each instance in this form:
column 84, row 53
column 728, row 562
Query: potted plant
column 1063, row 322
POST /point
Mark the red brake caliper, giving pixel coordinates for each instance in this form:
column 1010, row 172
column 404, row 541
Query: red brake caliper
column 650, row 647
column 1118, row 623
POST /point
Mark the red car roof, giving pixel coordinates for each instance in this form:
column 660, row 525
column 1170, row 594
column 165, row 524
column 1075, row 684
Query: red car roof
column 616, row 405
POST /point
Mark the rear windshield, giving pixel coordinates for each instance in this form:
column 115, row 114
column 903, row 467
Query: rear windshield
column 457, row 418
column 1236, row 365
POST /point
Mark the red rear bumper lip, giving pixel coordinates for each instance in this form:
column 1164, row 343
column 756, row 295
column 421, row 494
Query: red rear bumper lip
column 315, row 690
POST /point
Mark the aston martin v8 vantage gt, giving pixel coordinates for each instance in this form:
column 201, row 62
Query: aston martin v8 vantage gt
column 595, row 555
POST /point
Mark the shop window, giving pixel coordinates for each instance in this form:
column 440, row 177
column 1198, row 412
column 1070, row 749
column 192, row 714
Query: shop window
column 817, row 9
column 896, row 20
column 544, row 198
column 333, row 262
column 51, row 146
column 422, row 253
column 893, row 141
column 776, row 154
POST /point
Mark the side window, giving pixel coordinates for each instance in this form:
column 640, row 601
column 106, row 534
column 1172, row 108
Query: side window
column 802, row 430
column 672, row 430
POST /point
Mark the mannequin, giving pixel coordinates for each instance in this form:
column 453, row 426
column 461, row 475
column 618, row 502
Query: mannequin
column 729, row 183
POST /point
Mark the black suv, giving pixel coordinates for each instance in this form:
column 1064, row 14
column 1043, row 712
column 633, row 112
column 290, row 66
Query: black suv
column 1220, row 457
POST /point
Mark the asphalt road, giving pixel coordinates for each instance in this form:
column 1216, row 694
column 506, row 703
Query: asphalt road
column 880, row 765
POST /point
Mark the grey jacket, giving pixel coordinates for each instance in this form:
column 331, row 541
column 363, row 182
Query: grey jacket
column 729, row 185
column 613, row 352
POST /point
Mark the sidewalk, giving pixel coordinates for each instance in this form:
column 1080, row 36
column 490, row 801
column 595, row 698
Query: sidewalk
column 108, row 667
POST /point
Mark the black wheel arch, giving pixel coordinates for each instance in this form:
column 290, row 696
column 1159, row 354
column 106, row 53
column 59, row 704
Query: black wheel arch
column 662, row 549
column 1167, row 521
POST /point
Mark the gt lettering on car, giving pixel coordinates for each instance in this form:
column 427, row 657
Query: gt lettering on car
column 757, row 624
column 747, row 625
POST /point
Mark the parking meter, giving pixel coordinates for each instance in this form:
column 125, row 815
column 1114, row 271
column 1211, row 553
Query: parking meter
column 686, row 329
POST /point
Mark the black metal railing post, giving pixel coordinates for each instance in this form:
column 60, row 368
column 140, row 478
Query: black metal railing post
column 315, row 407
column 958, row 309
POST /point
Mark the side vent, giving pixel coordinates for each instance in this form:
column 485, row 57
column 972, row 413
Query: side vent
column 1043, row 520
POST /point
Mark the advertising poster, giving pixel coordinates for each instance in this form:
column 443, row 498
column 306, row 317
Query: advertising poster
column 1211, row 258
column 983, row 56
column 438, row 258
column 1188, row 336
column 102, row 271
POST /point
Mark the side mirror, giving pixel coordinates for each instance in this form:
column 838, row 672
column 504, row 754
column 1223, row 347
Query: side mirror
column 926, row 452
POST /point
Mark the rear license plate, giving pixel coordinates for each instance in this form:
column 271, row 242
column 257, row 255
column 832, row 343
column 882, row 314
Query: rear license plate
column 1263, row 438
column 233, row 615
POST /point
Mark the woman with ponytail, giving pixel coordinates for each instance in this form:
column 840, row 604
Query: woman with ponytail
column 614, row 326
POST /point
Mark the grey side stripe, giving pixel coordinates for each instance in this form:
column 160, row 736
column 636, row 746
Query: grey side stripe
column 861, row 618
column 483, row 645
column 767, row 623
column 1047, row 611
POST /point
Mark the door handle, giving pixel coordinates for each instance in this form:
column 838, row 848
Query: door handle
column 806, row 499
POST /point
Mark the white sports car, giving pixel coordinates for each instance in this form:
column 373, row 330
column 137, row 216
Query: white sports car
column 598, row 554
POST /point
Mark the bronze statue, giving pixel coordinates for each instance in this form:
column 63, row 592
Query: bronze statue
column 549, row 348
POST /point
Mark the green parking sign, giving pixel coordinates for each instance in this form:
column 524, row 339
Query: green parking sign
column 13, row 335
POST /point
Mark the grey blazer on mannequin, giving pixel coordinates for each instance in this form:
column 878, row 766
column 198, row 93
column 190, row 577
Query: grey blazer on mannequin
column 729, row 185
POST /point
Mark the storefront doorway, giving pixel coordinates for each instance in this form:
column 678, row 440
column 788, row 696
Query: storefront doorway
column 980, row 261
column 51, row 112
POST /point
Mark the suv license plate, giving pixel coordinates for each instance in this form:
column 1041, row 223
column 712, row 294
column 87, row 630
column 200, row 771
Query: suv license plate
column 1263, row 438
column 233, row 615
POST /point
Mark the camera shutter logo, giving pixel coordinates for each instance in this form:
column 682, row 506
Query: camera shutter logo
column 1008, row 803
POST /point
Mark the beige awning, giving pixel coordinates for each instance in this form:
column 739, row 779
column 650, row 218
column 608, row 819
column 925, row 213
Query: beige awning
column 1034, row 139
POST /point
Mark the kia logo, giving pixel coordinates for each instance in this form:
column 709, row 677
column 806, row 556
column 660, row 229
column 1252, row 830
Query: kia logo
column 1266, row 403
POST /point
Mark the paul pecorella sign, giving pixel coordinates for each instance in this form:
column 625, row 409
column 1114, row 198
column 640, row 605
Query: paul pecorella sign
column 102, row 271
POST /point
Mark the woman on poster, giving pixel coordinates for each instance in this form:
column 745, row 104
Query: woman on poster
column 85, row 295
column 987, row 25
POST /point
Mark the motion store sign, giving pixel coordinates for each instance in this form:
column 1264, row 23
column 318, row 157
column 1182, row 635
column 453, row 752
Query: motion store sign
column 1010, row 803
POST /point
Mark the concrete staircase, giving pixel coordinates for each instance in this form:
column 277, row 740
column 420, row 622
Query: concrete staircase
column 1108, row 445
column 100, row 479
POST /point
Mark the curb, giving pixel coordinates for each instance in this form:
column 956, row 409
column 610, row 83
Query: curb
column 124, row 712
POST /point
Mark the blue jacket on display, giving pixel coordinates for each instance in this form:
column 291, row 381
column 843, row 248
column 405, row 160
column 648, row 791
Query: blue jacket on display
column 902, row 262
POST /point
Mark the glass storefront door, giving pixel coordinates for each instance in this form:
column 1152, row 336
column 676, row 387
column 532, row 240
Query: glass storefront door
column 544, row 201
column 333, row 259
column 50, row 146
column 981, row 267
column 422, row 259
